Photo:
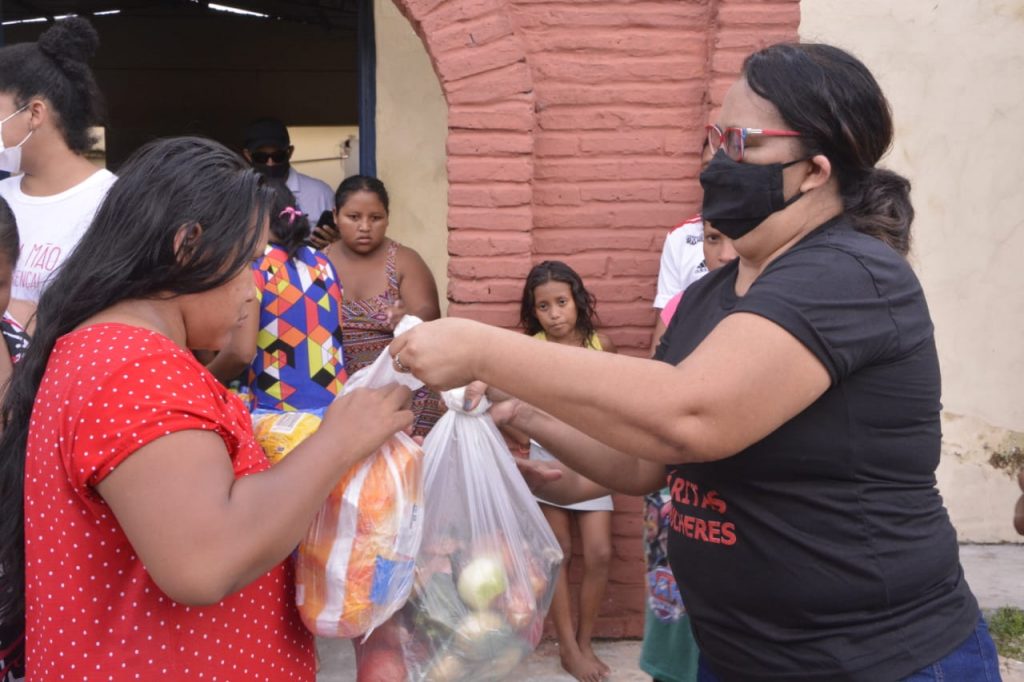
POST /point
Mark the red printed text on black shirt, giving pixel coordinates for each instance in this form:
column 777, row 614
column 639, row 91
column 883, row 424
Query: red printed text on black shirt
column 701, row 528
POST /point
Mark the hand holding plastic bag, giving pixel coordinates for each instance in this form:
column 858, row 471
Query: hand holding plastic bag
column 487, row 564
column 354, row 568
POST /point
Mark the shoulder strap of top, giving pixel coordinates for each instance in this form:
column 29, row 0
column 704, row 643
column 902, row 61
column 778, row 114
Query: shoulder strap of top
column 594, row 342
column 389, row 267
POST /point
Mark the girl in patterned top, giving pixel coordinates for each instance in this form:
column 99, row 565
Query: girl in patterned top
column 382, row 280
column 143, row 534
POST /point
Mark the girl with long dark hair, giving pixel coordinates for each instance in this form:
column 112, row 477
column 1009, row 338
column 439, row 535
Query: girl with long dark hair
column 556, row 307
column 142, row 534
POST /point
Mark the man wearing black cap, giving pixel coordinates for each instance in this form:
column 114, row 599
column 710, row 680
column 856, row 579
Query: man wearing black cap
column 268, row 148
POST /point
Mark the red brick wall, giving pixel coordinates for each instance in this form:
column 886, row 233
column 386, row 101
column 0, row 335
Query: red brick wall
column 574, row 133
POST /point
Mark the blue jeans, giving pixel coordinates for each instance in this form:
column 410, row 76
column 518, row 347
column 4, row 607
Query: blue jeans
column 975, row 660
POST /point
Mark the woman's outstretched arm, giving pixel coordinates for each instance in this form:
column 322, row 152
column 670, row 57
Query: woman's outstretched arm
column 747, row 378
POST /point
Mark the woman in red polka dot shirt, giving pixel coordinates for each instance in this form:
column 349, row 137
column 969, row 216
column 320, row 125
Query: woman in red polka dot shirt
column 154, row 534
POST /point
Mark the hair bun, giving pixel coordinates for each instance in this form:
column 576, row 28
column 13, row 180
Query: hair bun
column 69, row 40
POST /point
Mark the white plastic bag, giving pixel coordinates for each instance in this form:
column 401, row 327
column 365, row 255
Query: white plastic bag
column 354, row 568
column 487, row 565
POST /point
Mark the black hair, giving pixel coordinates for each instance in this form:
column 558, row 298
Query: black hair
column 10, row 242
column 360, row 183
column 55, row 68
column 287, row 230
column 557, row 271
column 833, row 101
column 182, row 218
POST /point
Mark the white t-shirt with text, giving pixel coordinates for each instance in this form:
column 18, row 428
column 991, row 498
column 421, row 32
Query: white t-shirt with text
column 50, row 228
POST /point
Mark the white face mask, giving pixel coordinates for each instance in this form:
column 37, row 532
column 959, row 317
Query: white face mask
column 10, row 157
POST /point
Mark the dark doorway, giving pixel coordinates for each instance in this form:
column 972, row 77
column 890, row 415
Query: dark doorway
column 173, row 67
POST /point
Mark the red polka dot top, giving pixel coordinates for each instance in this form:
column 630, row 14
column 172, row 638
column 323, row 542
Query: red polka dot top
column 92, row 611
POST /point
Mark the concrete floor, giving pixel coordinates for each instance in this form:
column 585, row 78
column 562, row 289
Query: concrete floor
column 994, row 572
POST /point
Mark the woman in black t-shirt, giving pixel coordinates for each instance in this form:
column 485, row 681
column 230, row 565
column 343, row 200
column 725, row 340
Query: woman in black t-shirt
column 796, row 412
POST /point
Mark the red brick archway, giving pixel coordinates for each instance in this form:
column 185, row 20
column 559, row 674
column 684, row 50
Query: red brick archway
column 481, row 63
column 574, row 133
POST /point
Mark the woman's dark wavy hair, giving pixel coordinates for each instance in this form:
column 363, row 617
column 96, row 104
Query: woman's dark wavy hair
column 557, row 271
column 287, row 230
column 360, row 183
column 189, row 186
column 832, row 99
column 56, row 68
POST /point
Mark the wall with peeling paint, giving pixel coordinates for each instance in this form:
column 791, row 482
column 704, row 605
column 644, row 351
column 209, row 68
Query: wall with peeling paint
column 952, row 72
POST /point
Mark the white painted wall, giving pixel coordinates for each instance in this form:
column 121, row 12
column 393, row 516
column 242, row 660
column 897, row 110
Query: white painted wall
column 412, row 129
column 953, row 71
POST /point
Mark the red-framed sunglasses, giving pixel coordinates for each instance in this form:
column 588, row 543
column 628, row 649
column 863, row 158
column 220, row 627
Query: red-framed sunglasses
column 734, row 140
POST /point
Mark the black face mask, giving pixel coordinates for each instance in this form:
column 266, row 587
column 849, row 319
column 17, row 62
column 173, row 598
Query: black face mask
column 739, row 196
column 279, row 171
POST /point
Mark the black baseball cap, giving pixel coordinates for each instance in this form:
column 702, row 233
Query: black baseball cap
column 266, row 132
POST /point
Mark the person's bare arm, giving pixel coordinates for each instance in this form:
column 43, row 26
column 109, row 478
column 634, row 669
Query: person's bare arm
column 236, row 356
column 24, row 312
column 417, row 287
column 747, row 378
column 203, row 534
column 607, row 345
column 592, row 469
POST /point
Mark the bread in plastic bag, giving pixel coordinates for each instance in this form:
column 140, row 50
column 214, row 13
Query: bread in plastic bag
column 354, row 568
column 487, row 565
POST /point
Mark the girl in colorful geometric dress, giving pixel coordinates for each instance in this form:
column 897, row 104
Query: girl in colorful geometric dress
column 557, row 308
column 299, row 362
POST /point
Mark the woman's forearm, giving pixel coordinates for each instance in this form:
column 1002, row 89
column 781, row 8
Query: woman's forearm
column 202, row 533
column 748, row 377
column 607, row 468
column 620, row 401
column 282, row 500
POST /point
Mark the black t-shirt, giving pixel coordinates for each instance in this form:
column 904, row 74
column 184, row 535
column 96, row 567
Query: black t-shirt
column 823, row 552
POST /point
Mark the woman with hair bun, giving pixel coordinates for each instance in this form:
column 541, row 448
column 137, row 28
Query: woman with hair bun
column 48, row 103
column 795, row 410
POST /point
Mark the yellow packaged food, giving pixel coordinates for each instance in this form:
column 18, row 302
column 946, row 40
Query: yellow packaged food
column 278, row 433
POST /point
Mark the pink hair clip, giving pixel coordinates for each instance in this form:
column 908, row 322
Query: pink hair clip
column 292, row 214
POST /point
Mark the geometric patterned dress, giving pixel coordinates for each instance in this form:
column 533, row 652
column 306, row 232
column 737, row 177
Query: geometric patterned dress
column 300, row 361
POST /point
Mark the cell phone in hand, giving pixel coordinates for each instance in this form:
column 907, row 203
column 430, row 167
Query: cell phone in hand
column 325, row 232
column 326, row 218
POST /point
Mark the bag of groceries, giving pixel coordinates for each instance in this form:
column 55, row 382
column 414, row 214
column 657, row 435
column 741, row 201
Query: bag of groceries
column 278, row 433
column 487, row 565
column 354, row 568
